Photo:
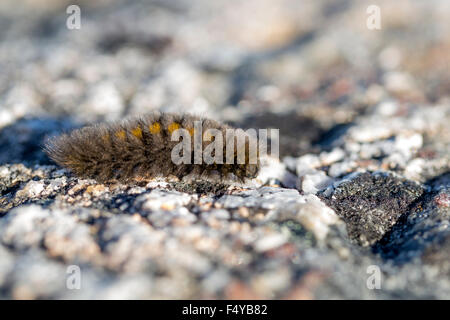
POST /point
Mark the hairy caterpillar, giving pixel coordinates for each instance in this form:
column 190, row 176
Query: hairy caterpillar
column 140, row 148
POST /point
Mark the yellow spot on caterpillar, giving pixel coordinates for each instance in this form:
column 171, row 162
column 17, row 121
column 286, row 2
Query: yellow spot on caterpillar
column 155, row 128
column 105, row 138
column 121, row 134
column 137, row 132
column 191, row 131
column 173, row 126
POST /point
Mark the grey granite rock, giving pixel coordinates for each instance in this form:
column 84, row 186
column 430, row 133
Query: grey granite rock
column 361, row 184
column 372, row 203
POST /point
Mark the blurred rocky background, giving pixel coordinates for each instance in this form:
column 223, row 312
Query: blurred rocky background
column 362, row 183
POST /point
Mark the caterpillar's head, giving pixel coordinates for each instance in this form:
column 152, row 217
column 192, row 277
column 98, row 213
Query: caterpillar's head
column 240, row 171
column 245, row 171
column 248, row 152
column 251, row 170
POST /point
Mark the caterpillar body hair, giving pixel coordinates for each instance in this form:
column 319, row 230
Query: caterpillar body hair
column 140, row 148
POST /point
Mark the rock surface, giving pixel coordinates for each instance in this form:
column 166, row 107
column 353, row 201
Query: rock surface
column 362, row 181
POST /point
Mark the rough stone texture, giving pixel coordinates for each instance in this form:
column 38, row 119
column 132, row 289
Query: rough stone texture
column 363, row 174
column 424, row 231
column 371, row 204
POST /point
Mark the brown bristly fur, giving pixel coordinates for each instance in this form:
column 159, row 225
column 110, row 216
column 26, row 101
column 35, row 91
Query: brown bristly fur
column 135, row 150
